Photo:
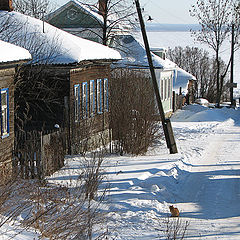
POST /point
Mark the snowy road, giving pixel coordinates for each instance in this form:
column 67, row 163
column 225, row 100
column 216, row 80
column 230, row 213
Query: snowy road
column 202, row 180
column 214, row 184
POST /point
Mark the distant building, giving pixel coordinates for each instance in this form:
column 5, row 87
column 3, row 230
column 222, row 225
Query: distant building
column 85, row 21
column 78, row 19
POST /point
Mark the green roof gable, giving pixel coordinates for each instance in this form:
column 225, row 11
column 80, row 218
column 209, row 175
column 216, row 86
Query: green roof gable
column 73, row 17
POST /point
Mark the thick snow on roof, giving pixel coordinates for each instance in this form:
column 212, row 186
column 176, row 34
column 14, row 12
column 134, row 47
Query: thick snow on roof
column 134, row 54
column 12, row 53
column 181, row 79
column 53, row 45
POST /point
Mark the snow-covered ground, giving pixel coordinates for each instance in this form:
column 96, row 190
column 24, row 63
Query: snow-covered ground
column 202, row 180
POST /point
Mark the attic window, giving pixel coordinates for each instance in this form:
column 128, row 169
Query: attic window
column 5, row 112
column 72, row 14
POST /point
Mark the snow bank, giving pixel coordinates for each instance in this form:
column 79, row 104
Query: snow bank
column 199, row 113
column 47, row 42
column 11, row 53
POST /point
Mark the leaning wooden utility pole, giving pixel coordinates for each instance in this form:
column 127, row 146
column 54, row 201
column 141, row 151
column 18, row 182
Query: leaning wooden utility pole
column 232, row 67
column 167, row 127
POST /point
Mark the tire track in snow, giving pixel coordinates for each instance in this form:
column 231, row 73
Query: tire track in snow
column 211, row 192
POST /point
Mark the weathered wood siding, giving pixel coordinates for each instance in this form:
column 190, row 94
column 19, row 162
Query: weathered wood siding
column 6, row 144
column 93, row 129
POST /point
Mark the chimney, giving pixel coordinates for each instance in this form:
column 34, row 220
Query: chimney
column 6, row 5
column 102, row 7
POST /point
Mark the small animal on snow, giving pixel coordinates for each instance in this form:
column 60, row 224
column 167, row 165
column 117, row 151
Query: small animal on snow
column 174, row 211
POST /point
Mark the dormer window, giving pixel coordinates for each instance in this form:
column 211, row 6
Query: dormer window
column 161, row 52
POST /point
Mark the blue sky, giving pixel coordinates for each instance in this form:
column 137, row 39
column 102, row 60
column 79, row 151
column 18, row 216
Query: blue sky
column 162, row 11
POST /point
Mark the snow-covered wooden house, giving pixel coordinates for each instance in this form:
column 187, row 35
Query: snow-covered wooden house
column 11, row 57
column 134, row 57
column 73, row 70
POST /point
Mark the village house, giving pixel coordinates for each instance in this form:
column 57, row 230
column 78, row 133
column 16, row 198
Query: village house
column 75, row 71
column 183, row 82
column 134, row 57
column 11, row 58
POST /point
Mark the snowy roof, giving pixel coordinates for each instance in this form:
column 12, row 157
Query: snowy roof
column 181, row 79
column 134, row 54
column 84, row 7
column 53, row 45
column 12, row 53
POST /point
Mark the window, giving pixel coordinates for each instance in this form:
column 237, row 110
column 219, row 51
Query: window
column 77, row 102
column 169, row 88
column 105, row 97
column 99, row 96
column 162, row 88
column 92, row 97
column 165, row 88
column 5, row 112
column 84, row 100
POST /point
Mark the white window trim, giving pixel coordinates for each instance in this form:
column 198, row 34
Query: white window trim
column 92, row 98
column 77, row 102
column 106, row 95
column 5, row 108
column 99, row 96
column 84, row 100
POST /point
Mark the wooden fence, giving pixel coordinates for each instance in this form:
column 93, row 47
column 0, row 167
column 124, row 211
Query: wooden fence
column 38, row 154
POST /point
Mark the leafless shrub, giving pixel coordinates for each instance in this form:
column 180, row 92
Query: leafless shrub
column 69, row 211
column 133, row 111
column 174, row 228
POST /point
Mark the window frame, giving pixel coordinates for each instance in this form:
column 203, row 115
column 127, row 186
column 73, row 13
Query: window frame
column 105, row 95
column 99, row 96
column 84, row 100
column 4, row 133
column 77, row 102
column 92, row 98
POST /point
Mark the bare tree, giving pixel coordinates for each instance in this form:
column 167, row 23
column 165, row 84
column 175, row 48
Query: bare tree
column 33, row 8
column 117, row 16
column 215, row 18
column 198, row 62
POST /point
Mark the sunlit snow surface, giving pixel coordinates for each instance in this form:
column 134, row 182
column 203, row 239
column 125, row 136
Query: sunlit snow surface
column 202, row 180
